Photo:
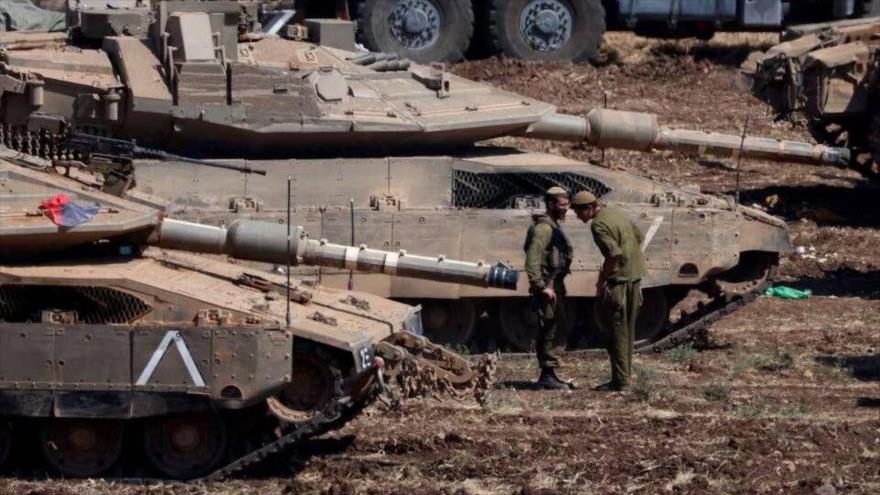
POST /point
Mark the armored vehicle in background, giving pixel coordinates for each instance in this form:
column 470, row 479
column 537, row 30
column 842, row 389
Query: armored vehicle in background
column 825, row 75
column 377, row 150
column 116, row 338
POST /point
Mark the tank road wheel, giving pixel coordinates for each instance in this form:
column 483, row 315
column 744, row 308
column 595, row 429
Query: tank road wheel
column 422, row 30
column 653, row 315
column 547, row 29
column 82, row 448
column 519, row 324
column 5, row 442
column 448, row 322
column 186, row 446
column 309, row 391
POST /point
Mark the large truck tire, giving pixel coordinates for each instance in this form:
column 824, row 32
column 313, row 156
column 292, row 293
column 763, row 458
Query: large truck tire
column 547, row 29
column 421, row 30
column 869, row 8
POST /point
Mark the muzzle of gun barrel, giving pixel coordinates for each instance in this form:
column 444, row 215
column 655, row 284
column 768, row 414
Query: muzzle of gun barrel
column 502, row 276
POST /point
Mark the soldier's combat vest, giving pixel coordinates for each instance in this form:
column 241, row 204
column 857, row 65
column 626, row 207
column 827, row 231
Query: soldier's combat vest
column 557, row 259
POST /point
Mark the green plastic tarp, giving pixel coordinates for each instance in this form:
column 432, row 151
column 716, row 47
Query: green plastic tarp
column 22, row 15
column 784, row 292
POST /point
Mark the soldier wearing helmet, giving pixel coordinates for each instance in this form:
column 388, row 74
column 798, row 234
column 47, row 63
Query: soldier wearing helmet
column 548, row 261
column 618, row 290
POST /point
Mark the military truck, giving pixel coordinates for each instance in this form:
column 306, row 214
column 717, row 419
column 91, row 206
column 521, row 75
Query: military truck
column 443, row 30
column 377, row 150
column 115, row 338
column 824, row 77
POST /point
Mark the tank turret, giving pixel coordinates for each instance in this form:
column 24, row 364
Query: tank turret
column 823, row 75
column 117, row 219
column 201, row 78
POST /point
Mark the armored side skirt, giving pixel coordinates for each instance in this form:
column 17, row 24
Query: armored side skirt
column 101, row 371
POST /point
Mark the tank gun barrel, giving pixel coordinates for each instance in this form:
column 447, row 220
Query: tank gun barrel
column 267, row 242
column 642, row 132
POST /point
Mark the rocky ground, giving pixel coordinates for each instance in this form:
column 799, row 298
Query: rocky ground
column 784, row 400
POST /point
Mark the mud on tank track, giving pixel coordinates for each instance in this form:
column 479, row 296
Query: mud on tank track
column 785, row 399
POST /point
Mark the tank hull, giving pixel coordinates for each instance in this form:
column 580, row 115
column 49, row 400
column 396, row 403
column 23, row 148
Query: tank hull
column 479, row 205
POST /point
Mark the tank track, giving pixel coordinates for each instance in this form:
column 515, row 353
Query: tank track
column 693, row 327
column 338, row 411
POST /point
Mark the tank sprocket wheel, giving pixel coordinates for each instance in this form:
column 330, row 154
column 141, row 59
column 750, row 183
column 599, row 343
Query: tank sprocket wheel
column 422, row 30
column 547, row 29
column 309, row 391
column 185, row 446
column 448, row 322
column 81, row 448
column 6, row 442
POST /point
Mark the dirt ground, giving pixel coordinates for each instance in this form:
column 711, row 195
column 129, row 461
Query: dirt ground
column 786, row 398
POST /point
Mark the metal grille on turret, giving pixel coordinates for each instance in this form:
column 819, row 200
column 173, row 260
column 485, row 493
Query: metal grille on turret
column 502, row 190
column 92, row 305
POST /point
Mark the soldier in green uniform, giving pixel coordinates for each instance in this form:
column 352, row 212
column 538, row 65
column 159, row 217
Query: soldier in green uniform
column 548, row 260
column 618, row 291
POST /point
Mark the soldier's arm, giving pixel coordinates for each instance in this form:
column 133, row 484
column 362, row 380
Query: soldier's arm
column 609, row 247
column 638, row 233
column 535, row 255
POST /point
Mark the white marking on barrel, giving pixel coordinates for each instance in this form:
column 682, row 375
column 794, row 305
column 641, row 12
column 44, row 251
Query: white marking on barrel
column 159, row 353
column 351, row 257
column 652, row 231
column 391, row 260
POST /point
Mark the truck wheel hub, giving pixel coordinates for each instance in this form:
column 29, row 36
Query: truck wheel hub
column 415, row 24
column 546, row 25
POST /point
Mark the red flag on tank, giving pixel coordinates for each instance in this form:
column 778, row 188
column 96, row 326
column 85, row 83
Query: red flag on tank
column 65, row 213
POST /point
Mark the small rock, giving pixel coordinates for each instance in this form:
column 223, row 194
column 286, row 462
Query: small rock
column 826, row 489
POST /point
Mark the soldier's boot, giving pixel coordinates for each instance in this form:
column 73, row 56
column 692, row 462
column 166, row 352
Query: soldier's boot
column 549, row 381
column 611, row 387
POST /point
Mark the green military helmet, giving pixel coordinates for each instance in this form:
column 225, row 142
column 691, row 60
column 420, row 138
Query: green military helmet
column 583, row 198
column 555, row 192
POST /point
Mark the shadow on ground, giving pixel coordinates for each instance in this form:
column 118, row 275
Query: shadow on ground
column 519, row 385
column 864, row 368
column 826, row 205
column 842, row 282
column 715, row 53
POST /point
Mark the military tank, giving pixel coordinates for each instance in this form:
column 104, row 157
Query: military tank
column 116, row 337
column 378, row 150
column 824, row 76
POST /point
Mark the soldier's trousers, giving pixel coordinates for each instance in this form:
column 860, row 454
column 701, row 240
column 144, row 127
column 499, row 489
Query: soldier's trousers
column 616, row 312
column 549, row 314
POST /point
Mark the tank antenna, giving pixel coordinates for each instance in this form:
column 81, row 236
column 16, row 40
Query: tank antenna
column 351, row 214
column 287, row 313
column 604, row 105
column 742, row 145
